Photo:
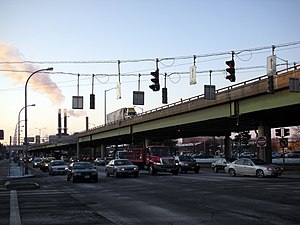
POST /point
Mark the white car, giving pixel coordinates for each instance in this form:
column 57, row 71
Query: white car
column 253, row 167
column 57, row 167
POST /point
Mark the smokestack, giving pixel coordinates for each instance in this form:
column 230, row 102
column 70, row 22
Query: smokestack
column 65, row 122
column 59, row 123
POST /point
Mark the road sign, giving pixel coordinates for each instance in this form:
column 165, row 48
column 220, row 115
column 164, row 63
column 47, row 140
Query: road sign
column 261, row 141
column 284, row 142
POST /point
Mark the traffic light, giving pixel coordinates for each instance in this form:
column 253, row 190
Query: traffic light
column 92, row 101
column 230, row 70
column 286, row 132
column 278, row 132
column 164, row 95
column 270, row 84
column 155, row 86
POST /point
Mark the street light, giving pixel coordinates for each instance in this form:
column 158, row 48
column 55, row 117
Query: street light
column 26, row 141
column 20, row 121
column 105, row 103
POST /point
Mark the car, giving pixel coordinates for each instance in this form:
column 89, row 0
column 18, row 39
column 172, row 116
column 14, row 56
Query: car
column 253, row 167
column 187, row 163
column 36, row 162
column 118, row 167
column 220, row 164
column 99, row 162
column 79, row 171
column 45, row 163
column 57, row 167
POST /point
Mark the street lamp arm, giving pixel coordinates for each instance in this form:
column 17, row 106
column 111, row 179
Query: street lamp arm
column 26, row 141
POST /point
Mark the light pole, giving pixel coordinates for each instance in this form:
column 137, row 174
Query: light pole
column 20, row 121
column 105, row 103
column 26, row 141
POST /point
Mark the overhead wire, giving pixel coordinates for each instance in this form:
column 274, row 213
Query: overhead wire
column 152, row 59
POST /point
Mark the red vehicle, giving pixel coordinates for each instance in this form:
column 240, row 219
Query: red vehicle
column 154, row 159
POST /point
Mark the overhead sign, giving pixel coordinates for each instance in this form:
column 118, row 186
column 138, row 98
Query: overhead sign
column 261, row 142
column 138, row 97
column 271, row 64
column 209, row 92
column 193, row 75
column 77, row 102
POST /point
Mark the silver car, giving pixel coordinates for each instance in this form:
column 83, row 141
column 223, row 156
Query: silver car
column 118, row 167
column 57, row 167
column 253, row 167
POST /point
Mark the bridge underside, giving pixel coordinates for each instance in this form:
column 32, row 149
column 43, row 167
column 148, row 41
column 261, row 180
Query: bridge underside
column 222, row 126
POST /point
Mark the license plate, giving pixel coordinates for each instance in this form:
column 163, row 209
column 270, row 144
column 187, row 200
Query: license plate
column 87, row 177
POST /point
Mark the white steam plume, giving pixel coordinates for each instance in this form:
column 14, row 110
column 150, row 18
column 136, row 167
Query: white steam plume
column 41, row 83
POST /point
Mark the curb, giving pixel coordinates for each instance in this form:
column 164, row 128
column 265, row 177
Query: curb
column 21, row 185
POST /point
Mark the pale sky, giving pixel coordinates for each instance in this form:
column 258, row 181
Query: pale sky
column 89, row 36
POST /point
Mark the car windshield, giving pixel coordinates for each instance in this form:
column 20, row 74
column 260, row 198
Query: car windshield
column 82, row 166
column 58, row 163
column 160, row 151
column 258, row 162
column 122, row 162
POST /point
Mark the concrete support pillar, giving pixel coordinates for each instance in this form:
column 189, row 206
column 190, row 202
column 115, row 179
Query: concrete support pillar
column 98, row 151
column 102, row 150
column 227, row 144
column 147, row 142
column 265, row 153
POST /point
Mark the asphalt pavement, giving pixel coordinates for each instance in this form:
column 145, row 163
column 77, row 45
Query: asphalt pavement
column 13, row 180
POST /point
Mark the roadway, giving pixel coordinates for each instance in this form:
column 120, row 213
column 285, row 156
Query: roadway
column 204, row 198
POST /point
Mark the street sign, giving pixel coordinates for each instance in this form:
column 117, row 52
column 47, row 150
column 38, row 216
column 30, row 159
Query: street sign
column 261, row 141
column 284, row 142
column 271, row 65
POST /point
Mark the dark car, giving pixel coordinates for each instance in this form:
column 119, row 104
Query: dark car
column 99, row 162
column 187, row 163
column 36, row 162
column 45, row 163
column 118, row 167
column 221, row 163
column 79, row 171
column 57, row 167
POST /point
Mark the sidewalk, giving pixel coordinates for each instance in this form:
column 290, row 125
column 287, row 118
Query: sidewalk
column 9, row 171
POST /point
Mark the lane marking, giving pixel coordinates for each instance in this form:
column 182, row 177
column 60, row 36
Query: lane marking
column 15, row 218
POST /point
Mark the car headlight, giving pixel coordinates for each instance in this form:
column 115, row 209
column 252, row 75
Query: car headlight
column 270, row 169
column 157, row 163
column 46, row 164
column 135, row 168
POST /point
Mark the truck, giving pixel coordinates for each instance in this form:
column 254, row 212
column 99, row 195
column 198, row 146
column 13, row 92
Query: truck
column 152, row 158
column 120, row 114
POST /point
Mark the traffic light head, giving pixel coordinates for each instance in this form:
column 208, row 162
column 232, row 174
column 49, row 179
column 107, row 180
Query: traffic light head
column 230, row 70
column 278, row 132
column 155, row 86
column 286, row 132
